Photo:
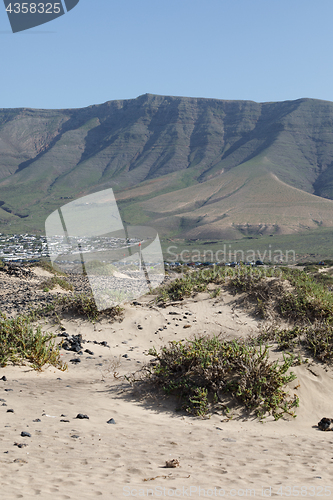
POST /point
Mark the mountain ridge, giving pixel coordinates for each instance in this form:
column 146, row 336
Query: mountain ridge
column 155, row 146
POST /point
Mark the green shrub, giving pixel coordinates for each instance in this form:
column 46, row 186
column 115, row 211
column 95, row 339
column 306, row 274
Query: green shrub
column 207, row 369
column 85, row 305
column 316, row 338
column 20, row 342
column 308, row 301
column 319, row 340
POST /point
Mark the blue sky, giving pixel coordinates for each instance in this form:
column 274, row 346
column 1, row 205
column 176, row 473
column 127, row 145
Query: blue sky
column 262, row 50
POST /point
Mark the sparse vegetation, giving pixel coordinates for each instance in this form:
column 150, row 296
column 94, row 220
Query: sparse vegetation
column 20, row 342
column 51, row 283
column 315, row 340
column 47, row 266
column 85, row 305
column 98, row 268
column 81, row 304
column 205, row 370
column 295, row 294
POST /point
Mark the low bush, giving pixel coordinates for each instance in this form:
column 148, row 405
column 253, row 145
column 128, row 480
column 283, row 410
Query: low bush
column 315, row 339
column 20, row 342
column 85, row 305
column 308, row 301
column 204, row 370
column 296, row 294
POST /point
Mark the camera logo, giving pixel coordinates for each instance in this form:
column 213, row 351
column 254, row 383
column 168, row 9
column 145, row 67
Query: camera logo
column 87, row 236
column 24, row 15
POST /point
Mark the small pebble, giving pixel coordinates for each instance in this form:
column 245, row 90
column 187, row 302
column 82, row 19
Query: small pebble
column 25, row 434
column 75, row 360
column 10, row 410
column 37, row 420
column 20, row 445
column 4, row 378
column 81, row 416
column 111, row 421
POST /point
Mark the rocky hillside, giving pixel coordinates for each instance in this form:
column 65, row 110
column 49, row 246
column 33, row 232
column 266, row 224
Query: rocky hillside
column 194, row 168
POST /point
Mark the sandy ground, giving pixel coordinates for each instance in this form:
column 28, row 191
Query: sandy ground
column 71, row 458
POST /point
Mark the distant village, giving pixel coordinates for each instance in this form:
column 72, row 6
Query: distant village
column 30, row 248
column 22, row 247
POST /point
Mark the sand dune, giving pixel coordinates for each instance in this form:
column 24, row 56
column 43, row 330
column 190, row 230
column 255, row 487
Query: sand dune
column 71, row 458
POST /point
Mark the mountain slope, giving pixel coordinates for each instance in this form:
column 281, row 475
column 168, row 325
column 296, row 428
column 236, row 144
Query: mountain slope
column 191, row 167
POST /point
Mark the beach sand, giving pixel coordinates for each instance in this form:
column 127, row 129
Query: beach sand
column 71, row 458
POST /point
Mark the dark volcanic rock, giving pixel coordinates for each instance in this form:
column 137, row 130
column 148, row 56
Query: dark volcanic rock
column 73, row 343
column 25, row 434
column 20, row 445
column 325, row 424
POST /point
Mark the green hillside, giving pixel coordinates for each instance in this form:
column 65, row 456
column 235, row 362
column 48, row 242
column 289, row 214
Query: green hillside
column 192, row 168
